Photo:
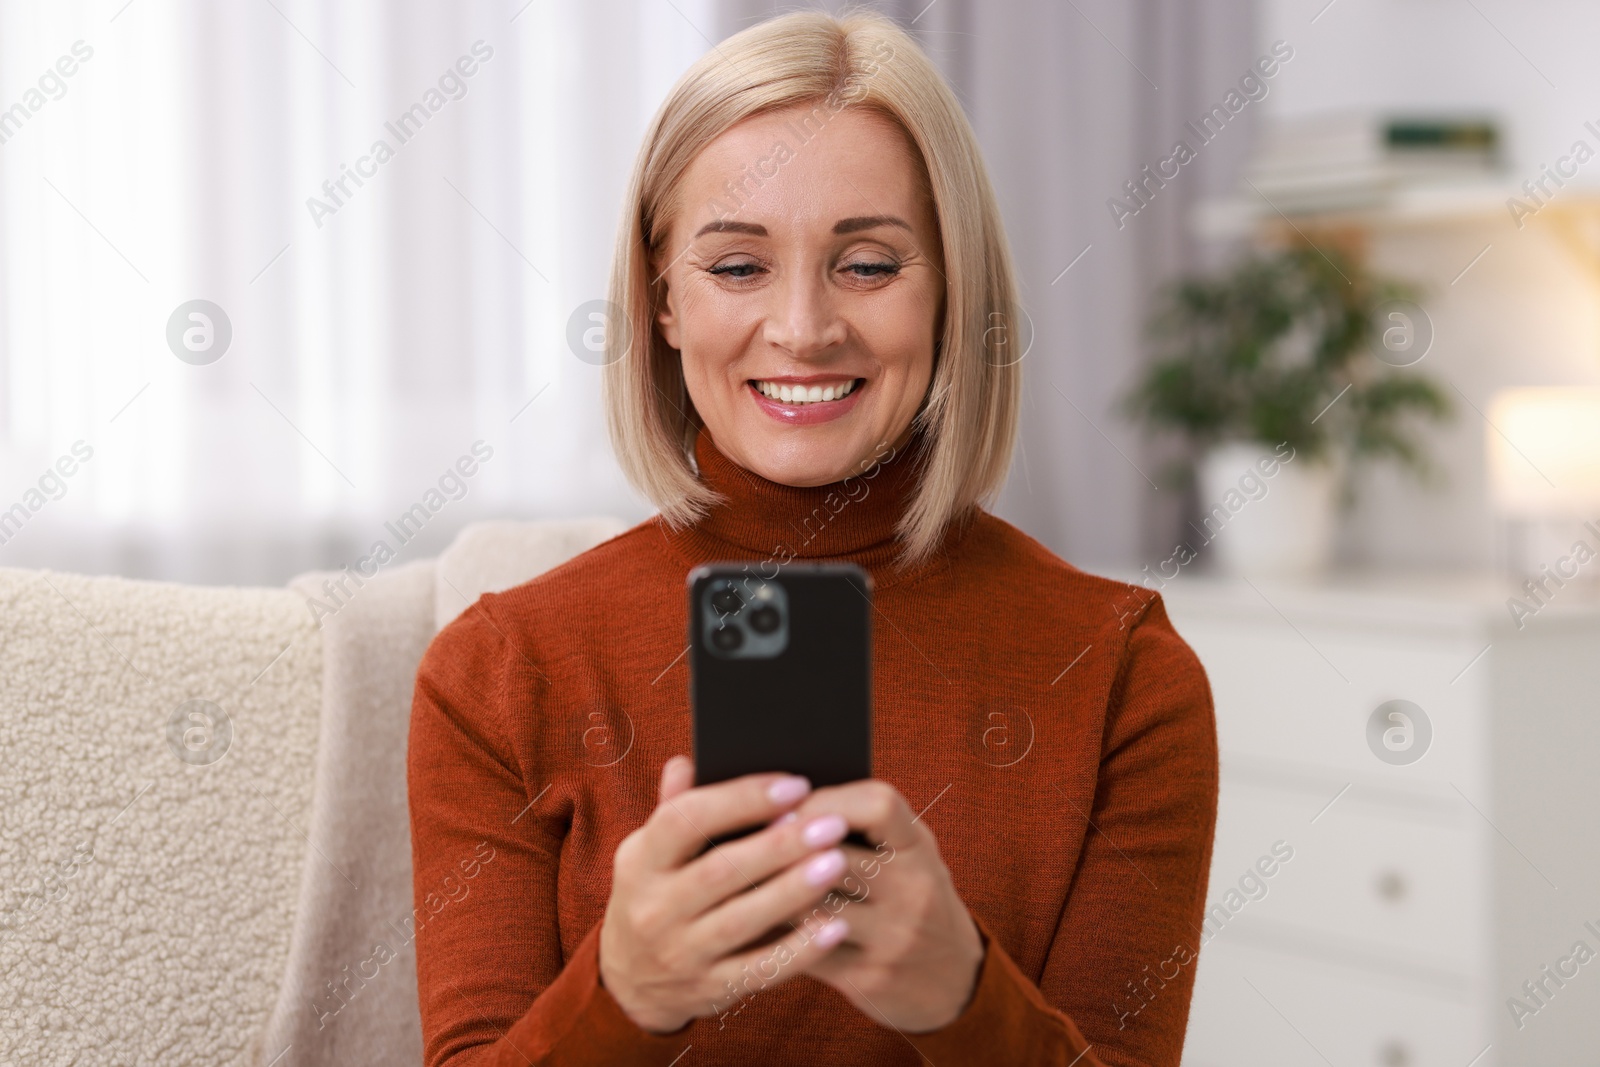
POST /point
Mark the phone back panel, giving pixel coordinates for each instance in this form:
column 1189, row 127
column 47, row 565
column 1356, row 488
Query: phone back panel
column 806, row 708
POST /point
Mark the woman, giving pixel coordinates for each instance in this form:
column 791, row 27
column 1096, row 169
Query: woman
column 816, row 286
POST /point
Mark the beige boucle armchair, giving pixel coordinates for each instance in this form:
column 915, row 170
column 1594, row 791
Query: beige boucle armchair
column 203, row 830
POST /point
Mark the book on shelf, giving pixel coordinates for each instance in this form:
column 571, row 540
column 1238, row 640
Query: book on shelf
column 1350, row 159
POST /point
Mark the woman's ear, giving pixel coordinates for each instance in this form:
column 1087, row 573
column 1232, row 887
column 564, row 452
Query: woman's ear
column 666, row 296
column 667, row 313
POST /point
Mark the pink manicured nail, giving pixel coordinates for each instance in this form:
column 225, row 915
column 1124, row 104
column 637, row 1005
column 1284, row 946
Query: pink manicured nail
column 824, row 830
column 825, row 868
column 788, row 790
column 833, row 933
column 786, row 818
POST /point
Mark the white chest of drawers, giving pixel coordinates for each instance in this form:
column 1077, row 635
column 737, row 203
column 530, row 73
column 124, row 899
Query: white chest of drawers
column 1420, row 896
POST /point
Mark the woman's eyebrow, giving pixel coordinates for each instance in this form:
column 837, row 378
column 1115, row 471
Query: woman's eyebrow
column 731, row 226
column 843, row 226
column 867, row 222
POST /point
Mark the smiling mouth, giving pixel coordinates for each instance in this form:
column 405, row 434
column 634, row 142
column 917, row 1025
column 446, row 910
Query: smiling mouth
column 801, row 395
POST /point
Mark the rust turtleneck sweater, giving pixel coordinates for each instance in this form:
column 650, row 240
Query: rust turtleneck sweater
column 1055, row 728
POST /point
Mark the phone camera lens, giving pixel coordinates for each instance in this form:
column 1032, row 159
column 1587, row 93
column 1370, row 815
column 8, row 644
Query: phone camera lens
column 726, row 601
column 765, row 619
column 727, row 638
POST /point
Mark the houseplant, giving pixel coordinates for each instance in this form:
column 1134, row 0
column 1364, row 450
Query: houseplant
column 1301, row 354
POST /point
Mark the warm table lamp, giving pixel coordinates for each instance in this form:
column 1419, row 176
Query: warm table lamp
column 1544, row 476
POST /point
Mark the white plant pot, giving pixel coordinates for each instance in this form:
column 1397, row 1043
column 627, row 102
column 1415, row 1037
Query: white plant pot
column 1264, row 517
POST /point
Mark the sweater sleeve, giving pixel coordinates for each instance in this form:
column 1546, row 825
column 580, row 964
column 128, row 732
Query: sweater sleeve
column 492, row 986
column 1120, row 971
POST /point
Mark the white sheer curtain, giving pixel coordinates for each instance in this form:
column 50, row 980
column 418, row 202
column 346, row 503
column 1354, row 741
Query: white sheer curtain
column 375, row 339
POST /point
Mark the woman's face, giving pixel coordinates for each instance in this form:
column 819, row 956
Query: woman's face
column 804, row 289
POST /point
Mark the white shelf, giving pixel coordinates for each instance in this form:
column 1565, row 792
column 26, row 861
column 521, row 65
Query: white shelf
column 1428, row 204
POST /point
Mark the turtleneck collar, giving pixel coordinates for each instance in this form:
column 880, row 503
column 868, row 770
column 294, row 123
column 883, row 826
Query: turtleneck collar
column 855, row 519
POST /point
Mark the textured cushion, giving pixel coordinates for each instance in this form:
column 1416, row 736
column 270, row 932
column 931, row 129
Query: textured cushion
column 343, row 1000
column 150, row 875
column 488, row 557
column 168, row 898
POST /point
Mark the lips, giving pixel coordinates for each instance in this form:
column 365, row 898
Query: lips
column 806, row 403
column 801, row 393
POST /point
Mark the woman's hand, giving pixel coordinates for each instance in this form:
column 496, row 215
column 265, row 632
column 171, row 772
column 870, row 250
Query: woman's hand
column 674, row 928
column 913, row 952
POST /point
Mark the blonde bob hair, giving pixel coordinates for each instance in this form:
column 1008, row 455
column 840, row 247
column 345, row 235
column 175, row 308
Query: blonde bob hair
column 969, row 417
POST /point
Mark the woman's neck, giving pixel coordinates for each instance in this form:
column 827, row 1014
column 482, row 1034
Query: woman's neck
column 856, row 518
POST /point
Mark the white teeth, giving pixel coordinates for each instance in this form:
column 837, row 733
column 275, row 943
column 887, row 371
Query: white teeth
column 799, row 394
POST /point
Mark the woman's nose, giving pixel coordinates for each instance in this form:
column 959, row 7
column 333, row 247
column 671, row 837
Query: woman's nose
column 804, row 320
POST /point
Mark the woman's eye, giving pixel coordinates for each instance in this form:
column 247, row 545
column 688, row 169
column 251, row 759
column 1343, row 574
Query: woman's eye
column 735, row 270
column 873, row 270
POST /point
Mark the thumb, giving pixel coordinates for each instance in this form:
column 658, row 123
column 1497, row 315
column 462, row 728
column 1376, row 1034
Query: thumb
column 677, row 776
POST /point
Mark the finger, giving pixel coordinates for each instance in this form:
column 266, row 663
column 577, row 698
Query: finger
column 862, row 872
column 833, row 967
column 748, row 862
column 682, row 825
column 677, row 776
column 873, row 807
column 744, row 917
column 761, row 968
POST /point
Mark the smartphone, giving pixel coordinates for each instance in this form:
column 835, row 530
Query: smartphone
column 780, row 673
